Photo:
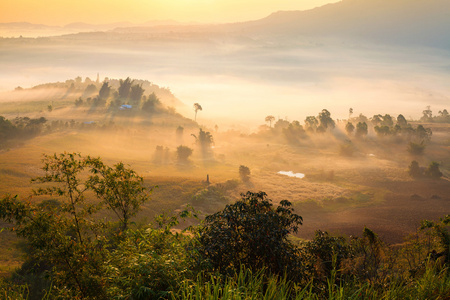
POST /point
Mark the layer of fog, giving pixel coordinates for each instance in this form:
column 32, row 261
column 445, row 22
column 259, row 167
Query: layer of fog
column 239, row 82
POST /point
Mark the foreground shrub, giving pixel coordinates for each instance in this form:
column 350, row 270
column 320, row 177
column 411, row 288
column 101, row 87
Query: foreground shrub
column 252, row 233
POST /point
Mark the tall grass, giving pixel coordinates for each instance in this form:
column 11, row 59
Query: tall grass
column 432, row 284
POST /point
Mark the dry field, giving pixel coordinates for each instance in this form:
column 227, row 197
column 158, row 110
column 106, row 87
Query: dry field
column 339, row 194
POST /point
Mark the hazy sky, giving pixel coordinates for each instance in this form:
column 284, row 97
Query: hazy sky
column 62, row 12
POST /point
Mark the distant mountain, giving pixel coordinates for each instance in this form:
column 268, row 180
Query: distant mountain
column 420, row 22
column 394, row 22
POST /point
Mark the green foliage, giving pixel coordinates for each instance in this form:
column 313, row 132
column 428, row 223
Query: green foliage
column 67, row 236
column 119, row 188
column 252, row 233
column 324, row 254
column 441, row 230
column 149, row 263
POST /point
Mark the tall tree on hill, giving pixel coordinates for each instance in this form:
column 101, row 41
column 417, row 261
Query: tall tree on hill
column 197, row 107
column 270, row 119
column 125, row 87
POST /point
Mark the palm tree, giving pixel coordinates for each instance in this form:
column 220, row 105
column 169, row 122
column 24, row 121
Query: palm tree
column 197, row 107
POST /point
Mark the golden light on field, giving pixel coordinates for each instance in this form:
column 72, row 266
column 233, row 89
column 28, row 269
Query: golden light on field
column 54, row 12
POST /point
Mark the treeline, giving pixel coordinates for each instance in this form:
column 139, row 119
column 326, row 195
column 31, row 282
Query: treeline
column 19, row 128
column 358, row 127
column 243, row 251
column 442, row 117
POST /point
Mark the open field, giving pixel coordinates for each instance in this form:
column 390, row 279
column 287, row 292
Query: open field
column 340, row 194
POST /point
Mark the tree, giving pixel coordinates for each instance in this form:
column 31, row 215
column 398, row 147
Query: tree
column 119, row 188
column 427, row 115
column 416, row 149
column 183, row 153
column 350, row 113
column 205, row 141
column 401, row 121
column 325, row 119
column 104, row 92
column 136, row 93
column 63, row 231
column 253, row 233
column 414, row 170
column 244, row 173
column 349, row 128
column 197, row 107
column 311, row 123
column 89, row 90
column 270, row 119
column 152, row 104
column 361, row 129
column 124, row 88
column 433, row 170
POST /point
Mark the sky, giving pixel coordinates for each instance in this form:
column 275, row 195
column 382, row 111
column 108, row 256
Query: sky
column 62, row 12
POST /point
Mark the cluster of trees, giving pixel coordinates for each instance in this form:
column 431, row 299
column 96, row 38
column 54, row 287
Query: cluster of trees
column 75, row 254
column 442, row 117
column 128, row 92
column 386, row 125
column 432, row 171
column 204, row 140
column 20, row 127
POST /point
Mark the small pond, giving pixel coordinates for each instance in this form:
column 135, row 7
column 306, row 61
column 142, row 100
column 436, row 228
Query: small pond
column 292, row 174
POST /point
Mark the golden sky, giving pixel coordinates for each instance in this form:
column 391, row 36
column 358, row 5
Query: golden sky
column 62, row 12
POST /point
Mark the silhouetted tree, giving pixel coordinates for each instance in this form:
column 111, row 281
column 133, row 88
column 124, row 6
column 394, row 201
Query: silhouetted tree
column 349, row 128
column 152, row 104
column 414, row 169
column 270, row 119
column 350, row 113
column 205, row 141
column 197, row 107
column 124, row 88
column 136, row 93
column 427, row 115
column 401, row 121
column 89, row 90
column 433, row 171
column 253, row 234
column 311, row 123
column 244, row 173
column 183, row 153
column 361, row 129
column 104, row 92
column 416, row 149
column 325, row 119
